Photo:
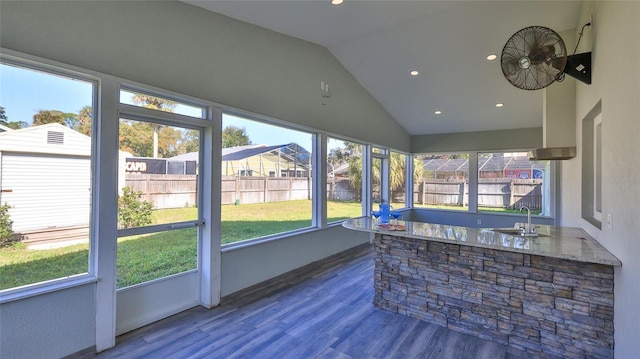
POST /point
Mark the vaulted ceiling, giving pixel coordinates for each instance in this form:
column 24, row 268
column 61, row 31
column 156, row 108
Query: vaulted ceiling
column 447, row 42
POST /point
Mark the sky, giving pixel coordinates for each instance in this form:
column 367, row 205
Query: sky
column 25, row 92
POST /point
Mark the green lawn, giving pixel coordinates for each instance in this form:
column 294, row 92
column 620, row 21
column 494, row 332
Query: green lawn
column 143, row 258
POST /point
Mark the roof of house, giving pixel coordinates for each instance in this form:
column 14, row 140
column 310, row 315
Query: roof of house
column 287, row 151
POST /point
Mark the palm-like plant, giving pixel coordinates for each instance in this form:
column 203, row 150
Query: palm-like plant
column 154, row 103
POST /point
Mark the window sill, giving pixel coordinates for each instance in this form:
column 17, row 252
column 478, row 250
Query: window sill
column 54, row 285
column 256, row 241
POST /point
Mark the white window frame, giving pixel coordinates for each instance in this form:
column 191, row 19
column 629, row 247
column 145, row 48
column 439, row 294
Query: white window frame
column 34, row 63
column 549, row 186
column 318, row 173
column 364, row 148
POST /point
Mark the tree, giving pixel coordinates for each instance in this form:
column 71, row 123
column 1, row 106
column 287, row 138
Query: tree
column 44, row 117
column 154, row 103
column 84, row 120
column 4, row 120
column 190, row 142
column 138, row 139
column 16, row 125
column 233, row 136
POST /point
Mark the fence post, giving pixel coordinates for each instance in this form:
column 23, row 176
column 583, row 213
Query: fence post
column 148, row 189
column 423, row 200
column 465, row 193
column 512, row 196
column 266, row 188
column 290, row 188
column 236, row 180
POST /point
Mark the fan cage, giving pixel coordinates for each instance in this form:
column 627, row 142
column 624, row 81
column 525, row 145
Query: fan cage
column 533, row 58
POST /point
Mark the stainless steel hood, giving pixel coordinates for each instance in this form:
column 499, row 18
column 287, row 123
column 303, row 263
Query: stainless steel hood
column 552, row 153
column 559, row 122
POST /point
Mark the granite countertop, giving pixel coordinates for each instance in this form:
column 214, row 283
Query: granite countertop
column 556, row 242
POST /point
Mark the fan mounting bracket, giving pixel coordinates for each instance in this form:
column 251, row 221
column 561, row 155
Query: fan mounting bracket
column 579, row 67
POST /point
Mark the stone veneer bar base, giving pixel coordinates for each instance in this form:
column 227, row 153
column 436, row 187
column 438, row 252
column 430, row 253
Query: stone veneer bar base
column 546, row 306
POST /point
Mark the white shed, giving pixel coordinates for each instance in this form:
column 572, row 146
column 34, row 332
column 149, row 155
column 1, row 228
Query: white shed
column 45, row 176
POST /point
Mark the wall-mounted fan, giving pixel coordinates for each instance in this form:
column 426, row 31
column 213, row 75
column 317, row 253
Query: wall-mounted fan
column 534, row 57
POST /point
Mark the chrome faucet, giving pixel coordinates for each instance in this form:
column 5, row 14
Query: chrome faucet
column 528, row 230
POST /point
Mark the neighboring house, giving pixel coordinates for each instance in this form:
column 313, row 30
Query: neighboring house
column 288, row 160
column 490, row 167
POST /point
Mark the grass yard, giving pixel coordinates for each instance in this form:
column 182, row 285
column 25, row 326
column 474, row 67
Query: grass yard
column 143, row 258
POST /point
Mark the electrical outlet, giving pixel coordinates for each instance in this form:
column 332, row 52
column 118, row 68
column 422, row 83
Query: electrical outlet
column 609, row 221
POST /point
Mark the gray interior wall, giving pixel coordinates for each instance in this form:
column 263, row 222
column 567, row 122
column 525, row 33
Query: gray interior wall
column 247, row 266
column 180, row 47
column 523, row 138
column 51, row 325
column 615, row 30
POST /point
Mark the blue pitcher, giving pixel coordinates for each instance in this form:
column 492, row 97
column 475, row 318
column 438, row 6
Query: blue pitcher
column 385, row 212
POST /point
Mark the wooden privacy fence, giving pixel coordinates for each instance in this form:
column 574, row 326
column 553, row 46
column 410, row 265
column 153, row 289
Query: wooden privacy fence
column 340, row 189
column 165, row 191
column 492, row 192
column 264, row 189
column 176, row 191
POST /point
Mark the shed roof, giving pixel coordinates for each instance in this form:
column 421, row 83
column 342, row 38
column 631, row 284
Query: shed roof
column 52, row 138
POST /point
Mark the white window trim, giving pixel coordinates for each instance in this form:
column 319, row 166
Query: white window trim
column 55, row 68
column 549, row 189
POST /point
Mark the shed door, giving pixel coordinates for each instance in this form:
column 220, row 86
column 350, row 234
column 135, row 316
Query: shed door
column 46, row 191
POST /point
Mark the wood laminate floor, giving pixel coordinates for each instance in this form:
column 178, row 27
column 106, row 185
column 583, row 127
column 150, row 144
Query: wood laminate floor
column 324, row 310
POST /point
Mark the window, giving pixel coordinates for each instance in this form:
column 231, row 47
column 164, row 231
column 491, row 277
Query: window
column 344, row 179
column 592, row 166
column 442, row 181
column 507, row 181
column 46, row 155
column 275, row 193
column 160, row 103
column 398, row 179
column 377, row 182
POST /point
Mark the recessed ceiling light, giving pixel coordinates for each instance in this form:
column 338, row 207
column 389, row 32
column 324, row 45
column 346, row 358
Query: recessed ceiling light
column 414, row 73
column 438, row 112
column 492, row 57
column 499, row 104
column 336, row 2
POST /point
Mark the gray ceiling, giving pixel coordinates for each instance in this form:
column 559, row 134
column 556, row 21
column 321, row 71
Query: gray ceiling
column 380, row 42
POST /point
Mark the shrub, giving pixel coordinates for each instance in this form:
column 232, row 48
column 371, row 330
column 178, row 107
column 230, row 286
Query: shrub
column 6, row 225
column 132, row 210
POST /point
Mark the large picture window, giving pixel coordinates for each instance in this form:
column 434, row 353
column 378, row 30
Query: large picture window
column 442, row 181
column 266, row 179
column 509, row 181
column 46, row 155
column 506, row 182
